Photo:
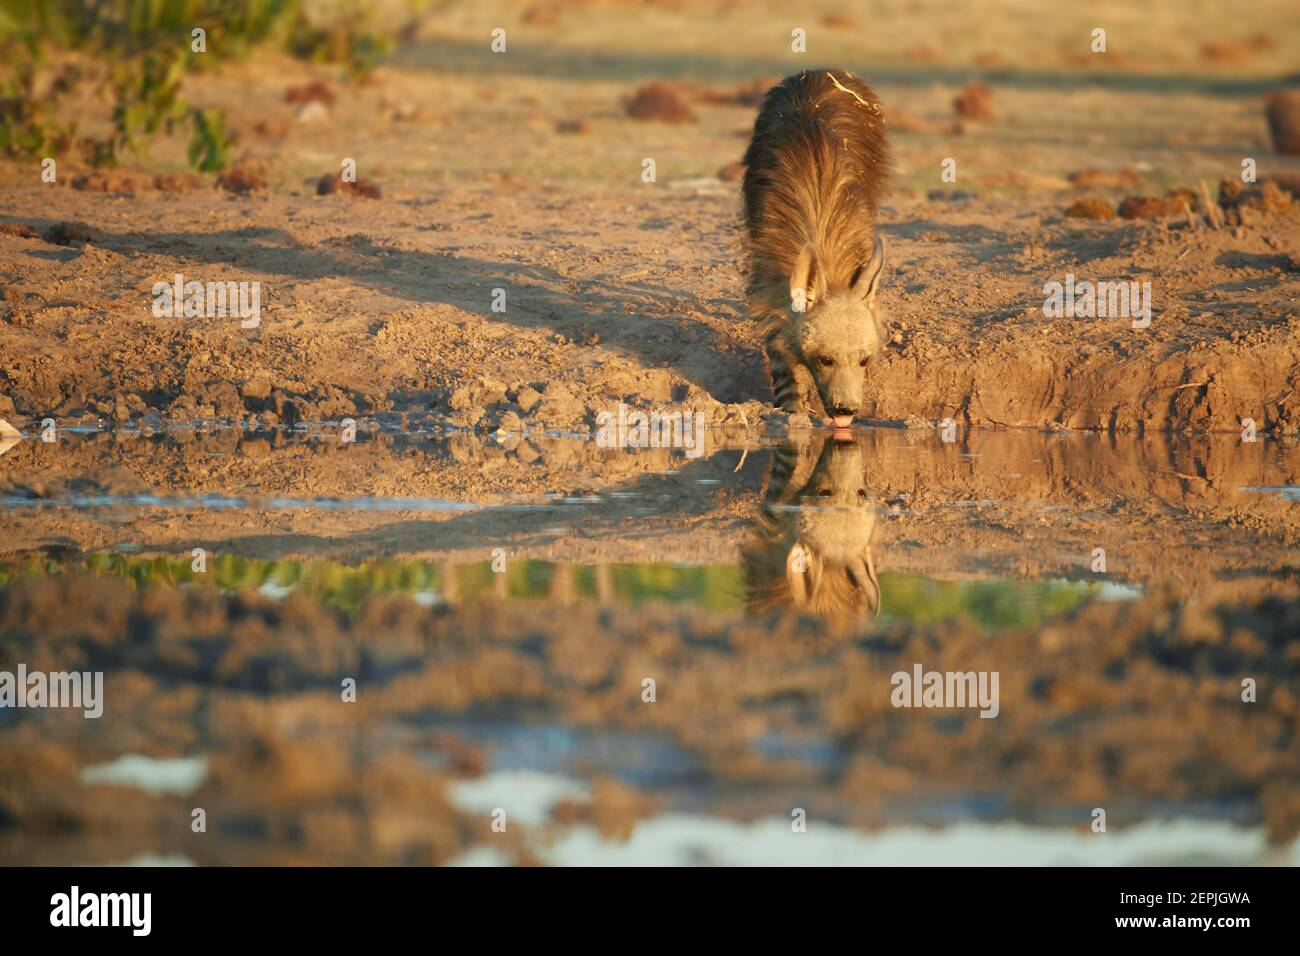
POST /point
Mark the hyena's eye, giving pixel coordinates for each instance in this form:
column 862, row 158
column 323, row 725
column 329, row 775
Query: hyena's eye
column 826, row 361
column 863, row 363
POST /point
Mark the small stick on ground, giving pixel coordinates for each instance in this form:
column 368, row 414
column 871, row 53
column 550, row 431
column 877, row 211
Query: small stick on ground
column 1212, row 210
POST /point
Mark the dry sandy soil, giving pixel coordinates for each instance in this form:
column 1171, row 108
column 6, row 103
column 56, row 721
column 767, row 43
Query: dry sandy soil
column 617, row 289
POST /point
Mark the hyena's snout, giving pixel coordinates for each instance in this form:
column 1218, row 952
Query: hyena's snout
column 840, row 387
column 843, row 393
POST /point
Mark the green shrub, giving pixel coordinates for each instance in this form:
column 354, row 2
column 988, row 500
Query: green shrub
column 140, row 50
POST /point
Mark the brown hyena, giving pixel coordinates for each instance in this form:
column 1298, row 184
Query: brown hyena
column 815, row 535
column 814, row 171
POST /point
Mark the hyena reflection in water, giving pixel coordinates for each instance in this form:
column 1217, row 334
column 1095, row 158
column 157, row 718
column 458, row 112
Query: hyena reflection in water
column 814, row 535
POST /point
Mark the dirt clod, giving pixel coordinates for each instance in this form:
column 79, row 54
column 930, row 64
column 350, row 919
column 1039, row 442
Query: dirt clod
column 974, row 102
column 331, row 183
column 1263, row 197
column 1151, row 207
column 19, row 229
column 1090, row 208
column 659, row 101
column 1283, row 112
column 69, row 234
column 242, row 179
column 317, row 91
column 110, row 181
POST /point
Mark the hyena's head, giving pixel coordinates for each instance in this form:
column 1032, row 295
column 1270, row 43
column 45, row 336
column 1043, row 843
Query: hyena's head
column 815, row 534
column 831, row 561
column 838, row 333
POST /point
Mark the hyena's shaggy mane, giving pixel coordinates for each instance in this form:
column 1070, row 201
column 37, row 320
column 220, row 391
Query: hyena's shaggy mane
column 814, row 172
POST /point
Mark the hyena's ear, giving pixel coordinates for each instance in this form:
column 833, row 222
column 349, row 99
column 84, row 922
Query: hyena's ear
column 868, row 278
column 803, row 281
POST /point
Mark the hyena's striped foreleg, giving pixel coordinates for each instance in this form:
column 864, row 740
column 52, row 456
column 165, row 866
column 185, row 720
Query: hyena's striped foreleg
column 792, row 387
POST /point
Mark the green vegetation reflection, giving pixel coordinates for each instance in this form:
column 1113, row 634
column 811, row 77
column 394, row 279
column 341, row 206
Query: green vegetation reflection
column 910, row 598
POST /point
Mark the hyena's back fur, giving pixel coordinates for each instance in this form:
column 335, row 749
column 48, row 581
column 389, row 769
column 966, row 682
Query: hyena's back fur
column 814, row 172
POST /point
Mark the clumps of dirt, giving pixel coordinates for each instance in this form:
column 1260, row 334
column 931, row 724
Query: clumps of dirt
column 123, row 406
column 273, row 402
column 1094, row 178
column 1283, row 112
column 123, row 182
column 1149, row 207
column 242, row 179
column 660, row 102
column 1090, row 208
column 19, row 229
column 559, row 406
column 1241, row 202
column 317, row 91
column 69, row 234
column 1176, row 202
column 109, row 181
column 1228, row 52
column 483, row 390
column 178, row 182
column 1288, row 183
column 332, row 183
column 974, row 102
column 216, row 399
column 490, row 403
column 1234, row 52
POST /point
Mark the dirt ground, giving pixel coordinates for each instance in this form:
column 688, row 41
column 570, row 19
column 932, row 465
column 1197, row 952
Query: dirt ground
column 521, row 171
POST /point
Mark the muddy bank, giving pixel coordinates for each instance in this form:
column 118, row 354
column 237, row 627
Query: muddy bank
column 971, row 344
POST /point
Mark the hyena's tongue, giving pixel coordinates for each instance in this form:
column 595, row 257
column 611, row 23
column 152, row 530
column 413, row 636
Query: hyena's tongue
column 843, row 421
